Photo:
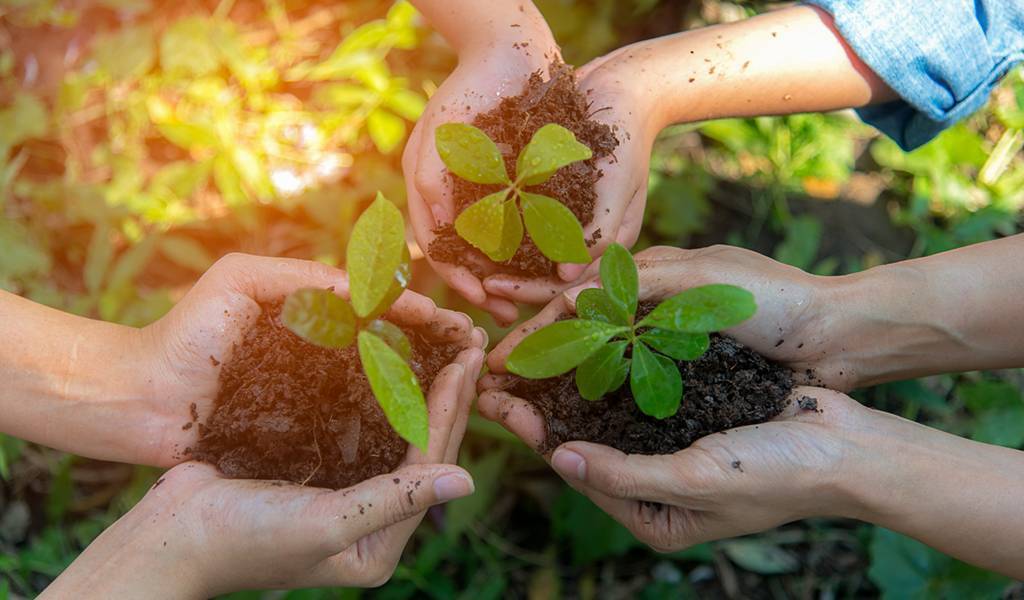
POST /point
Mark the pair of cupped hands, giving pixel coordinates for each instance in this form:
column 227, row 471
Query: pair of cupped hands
column 217, row 535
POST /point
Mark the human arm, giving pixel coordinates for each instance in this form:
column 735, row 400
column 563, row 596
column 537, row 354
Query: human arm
column 499, row 44
column 118, row 393
column 197, row 535
column 838, row 460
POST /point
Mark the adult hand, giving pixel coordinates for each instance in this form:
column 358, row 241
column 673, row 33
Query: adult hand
column 754, row 478
column 795, row 310
column 196, row 534
column 485, row 75
column 182, row 353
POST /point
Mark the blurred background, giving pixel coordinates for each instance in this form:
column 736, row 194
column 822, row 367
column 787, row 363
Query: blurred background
column 141, row 140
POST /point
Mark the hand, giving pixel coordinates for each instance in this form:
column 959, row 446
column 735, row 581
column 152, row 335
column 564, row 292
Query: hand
column 196, row 534
column 795, row 310
column 754, row 478
column 182, row 353
column 610, row 83
column 483, row 77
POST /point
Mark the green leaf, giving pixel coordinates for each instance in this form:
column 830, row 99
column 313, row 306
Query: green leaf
column 386, row 130
column 98, row 257
column 620, row 279
column 678, row 345
column 392, row 335
column 550, row 149
column 470, row 154
column 187, row 47
column 511, row 233
column 559, row 347
column 482, row 223
column 376, row 248
column 604, row 371
column 594, row 304
column 703, row 309
column 655, row 382
column 396, row 389
column 406, row 103
column 320, row 317
column 400, row 280
column 127, row 53
column 803, row 240
column 22, row 255
column 554, row 229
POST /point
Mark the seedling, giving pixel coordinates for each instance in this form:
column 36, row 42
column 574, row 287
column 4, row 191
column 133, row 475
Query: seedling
column 378, row 272
column 595, row 344
column 493, row 224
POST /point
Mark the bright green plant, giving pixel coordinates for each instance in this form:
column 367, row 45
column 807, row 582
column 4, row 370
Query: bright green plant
column 378, row 272
column 595, row 344
column 493, row 223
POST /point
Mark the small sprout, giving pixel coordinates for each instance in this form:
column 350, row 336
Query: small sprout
column 378, row 273
column 493, row 224
column 595, row 344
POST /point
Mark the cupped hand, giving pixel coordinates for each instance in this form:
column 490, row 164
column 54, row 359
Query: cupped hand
column 484, row 76
column 183, row 352
column 198, row 534
column 749, row 479
column 794, row 309
column 614, row 87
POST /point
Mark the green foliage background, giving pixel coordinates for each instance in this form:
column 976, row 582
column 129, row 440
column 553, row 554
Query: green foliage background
column 140, row 140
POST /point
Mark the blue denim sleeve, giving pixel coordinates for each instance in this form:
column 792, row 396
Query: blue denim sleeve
column 942, row 57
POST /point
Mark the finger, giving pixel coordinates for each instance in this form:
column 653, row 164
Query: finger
column 514, row 414
column 415, row 309
column 615, row 474
column 496, row 359
column 442, row 410
column 632, row 220
column 494, row 381
column 503, row 311
column 353, row 513
column 267, row 279
column 522, row 289
column 815, row 405
column 474, row 358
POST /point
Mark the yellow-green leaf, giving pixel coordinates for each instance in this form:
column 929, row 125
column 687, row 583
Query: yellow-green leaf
column 703, row 309
column 554, row 229
column 550, row 149
column 320, row 317
column 396, row 388
column 386, row 130
column 126, row 53
column 511, row 233
column 376, row 248
column 470, row 154
column 482, row 223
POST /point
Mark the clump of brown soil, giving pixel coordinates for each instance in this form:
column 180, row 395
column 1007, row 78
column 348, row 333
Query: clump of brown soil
column 290, row 410
column 511, row 125
column 729, row 386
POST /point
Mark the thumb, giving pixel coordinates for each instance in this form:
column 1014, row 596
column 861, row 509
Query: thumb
column 615, row 474
column 351, row 514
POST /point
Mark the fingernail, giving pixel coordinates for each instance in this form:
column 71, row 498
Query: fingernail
column 485, row 335
column 452, row 486
column 569, row 464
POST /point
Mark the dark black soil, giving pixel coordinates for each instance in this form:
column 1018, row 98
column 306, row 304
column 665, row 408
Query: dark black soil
column 511, row 125
column 728, row 387
column 290, row 410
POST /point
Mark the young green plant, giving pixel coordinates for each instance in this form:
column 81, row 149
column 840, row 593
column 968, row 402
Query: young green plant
column 596, row 343
column 493, row 224
column 378, row 271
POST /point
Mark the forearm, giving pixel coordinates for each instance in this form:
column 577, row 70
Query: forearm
column 788, row 61
column 955, row 311
column 68, row 382
column 471, row 26
column 958, row 496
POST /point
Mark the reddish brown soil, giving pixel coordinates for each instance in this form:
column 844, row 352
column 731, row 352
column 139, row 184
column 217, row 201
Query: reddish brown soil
column 728, row 387
column 290, row 410
column 511, row 125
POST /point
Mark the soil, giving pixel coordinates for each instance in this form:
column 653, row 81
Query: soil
column 728, row 387
column 289, row 410
column 511, row 125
